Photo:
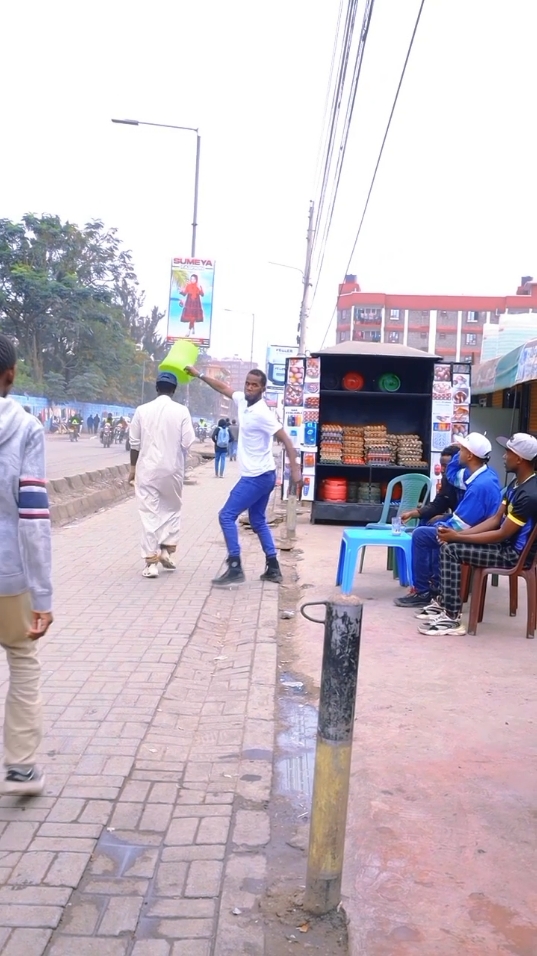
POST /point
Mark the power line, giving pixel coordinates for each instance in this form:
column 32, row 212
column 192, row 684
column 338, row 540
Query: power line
column 324, row 129
column 366, row 22
column 381, row 151
column 337, row 98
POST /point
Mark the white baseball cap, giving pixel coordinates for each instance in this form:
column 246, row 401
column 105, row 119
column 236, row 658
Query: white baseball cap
column 523, row 445
column 477, row 444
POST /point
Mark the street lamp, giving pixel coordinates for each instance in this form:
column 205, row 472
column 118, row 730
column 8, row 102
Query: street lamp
column 191, row 129
column 252, row 314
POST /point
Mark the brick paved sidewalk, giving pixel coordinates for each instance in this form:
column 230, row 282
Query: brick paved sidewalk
column 159, row 703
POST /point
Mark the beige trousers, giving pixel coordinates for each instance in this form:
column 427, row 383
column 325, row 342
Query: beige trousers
column 23, row 721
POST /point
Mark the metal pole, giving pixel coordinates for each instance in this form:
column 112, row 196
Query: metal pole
column 304, row 308
column 252, row 342
column 196, row 191
column 339, row 676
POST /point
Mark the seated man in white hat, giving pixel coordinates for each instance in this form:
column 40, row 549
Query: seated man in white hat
column 468, row 471
column 495, row 543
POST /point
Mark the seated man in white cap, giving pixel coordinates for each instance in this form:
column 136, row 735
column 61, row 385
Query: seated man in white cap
column 495, row 543
column 468, row 471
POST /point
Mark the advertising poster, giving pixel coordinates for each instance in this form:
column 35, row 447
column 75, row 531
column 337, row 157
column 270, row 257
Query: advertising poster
column 301, row 397
column 191, row 300
column 450, row 411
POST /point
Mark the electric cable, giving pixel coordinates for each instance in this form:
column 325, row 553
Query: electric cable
column 381, row 151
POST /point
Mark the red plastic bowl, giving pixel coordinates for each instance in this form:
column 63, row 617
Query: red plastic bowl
column 353, row 381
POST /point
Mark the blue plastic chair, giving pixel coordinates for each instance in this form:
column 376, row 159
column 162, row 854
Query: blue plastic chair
column 415, row 490
column 356, row 539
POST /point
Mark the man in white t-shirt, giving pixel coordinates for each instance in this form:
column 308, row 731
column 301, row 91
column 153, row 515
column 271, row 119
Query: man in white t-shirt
column 258, row 428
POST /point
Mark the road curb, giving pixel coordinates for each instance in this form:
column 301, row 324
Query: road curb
column 79, row 495
column 76, row 496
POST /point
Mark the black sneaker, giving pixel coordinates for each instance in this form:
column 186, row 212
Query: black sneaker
column 24, row 783
column 233, row 575
column 414, row 600
column 272, row 572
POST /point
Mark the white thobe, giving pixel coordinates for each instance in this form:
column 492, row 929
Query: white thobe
column 161, row 431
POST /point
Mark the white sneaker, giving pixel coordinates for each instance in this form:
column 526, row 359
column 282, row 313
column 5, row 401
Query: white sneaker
column 442, row 624
column 167, row 561
column 150, row 571
column 23, row 783
column 429, row 612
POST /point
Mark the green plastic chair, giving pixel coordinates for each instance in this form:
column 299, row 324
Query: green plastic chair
column 415, row 490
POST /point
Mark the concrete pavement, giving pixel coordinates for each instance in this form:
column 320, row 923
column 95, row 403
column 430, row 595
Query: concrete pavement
column 159, row 705
column 441, row 839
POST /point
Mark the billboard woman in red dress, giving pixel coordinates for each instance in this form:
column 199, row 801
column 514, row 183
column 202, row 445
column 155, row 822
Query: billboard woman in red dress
column 192, row 307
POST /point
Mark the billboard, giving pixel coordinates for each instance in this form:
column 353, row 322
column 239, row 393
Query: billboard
column 276, row 356
column 191, row 300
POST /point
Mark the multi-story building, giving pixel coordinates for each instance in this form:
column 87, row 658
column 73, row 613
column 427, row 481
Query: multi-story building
column 232, row 371
column 446, row 325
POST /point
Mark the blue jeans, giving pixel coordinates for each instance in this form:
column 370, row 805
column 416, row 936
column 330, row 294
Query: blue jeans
column 425, row 559
column 220, row 455
column 252, row 495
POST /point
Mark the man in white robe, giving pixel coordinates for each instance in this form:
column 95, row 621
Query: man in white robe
column 161, row 434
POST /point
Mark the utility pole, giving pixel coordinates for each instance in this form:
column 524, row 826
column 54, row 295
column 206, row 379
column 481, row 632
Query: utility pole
column 305, row 305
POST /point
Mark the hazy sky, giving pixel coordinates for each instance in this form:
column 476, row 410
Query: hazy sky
column 453, row 205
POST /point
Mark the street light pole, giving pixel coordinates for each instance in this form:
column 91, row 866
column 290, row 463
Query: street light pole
column 191, row 129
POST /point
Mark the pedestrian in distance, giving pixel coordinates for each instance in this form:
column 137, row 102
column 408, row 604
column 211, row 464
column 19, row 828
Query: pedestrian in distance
column 233, row 440
column 25, row 579
column 161, row 434
column 89, row 424
column 258, row 428
column 220, row 437
column 96, row 421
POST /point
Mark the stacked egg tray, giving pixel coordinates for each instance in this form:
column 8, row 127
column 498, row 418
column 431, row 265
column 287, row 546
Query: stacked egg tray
column 331, row 444
column 378, row 450
column 410, row 451
column 353, row 445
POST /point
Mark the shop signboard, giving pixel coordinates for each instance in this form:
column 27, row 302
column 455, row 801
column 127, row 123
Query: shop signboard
column 276, row 358
column 191, row 300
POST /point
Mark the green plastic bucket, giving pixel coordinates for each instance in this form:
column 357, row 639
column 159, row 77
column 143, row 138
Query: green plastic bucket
column 181, row 353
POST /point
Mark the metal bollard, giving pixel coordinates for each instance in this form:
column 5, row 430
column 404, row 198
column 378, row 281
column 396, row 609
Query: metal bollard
column 341, row 653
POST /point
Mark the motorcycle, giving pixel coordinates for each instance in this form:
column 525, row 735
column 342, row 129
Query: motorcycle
column 107, row 436
column 74, row 431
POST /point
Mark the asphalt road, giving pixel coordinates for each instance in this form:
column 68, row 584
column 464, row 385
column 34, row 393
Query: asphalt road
column 74, row 458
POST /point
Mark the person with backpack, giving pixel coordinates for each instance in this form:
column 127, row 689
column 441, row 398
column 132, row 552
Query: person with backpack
column 233, row 440
column 220, row 437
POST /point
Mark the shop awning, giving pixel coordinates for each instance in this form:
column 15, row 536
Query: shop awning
column 519, row 365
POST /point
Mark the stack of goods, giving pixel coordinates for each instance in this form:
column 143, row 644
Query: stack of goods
column 353, row 445
column 368, row 493
column 410, row 451
column 334, row 489
column 353, row 491
column 331, row 444
column 378, row 449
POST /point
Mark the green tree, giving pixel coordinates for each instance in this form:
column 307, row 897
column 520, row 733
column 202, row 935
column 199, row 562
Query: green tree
column 87, row 387
column 70, row 298
column 53, row 386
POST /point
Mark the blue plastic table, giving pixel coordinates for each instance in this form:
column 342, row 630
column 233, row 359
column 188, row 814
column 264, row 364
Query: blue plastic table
column 354, row 539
